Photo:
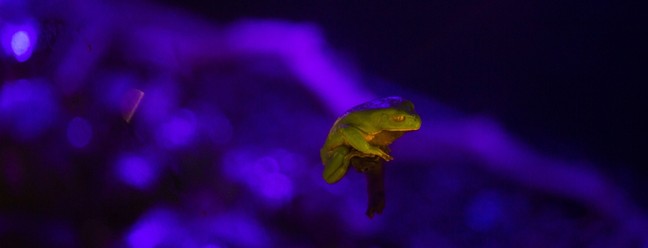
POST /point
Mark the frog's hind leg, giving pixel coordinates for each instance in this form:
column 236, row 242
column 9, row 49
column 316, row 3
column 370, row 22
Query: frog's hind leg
column 337, row 165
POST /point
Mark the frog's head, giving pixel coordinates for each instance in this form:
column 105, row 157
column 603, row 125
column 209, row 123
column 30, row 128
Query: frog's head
column 386, row 114
column 393, row 119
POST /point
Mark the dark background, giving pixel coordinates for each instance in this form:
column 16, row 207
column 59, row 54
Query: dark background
column 564, row 79
column 568, row 77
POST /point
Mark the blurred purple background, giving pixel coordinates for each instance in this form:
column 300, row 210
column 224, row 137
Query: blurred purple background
column 199, row 124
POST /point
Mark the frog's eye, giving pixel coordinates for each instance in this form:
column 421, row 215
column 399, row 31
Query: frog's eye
column 398, row 118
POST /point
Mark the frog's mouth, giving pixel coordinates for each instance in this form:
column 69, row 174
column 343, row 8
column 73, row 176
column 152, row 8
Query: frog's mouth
column 417, row 126
column 403, row 129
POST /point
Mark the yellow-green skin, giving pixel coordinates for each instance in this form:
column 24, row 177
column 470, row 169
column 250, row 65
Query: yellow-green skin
column 366, row 131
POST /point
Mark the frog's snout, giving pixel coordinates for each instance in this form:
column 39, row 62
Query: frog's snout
column 416, row 122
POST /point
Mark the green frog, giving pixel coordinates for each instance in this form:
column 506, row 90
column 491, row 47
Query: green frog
column 360, row 138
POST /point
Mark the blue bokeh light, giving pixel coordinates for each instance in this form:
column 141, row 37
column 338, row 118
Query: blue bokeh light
column 20, row 43
column 265, row 173
column 271, row 182
column 27, row 107
column 19, row 40
column 79, row 132
column 178, row 131
column 236, row 229
column 155, row 228
column 136, row 171
column 161, row 101
column 165, row 227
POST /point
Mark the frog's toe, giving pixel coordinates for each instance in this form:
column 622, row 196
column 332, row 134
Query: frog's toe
column 332, row 180
column 333, row 174
column 387, row 157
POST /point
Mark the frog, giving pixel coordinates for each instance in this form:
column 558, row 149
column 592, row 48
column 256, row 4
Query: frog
column 365, row 132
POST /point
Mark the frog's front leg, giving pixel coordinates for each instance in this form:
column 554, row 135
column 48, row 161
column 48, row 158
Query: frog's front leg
column 337, row 164
column 356, row 139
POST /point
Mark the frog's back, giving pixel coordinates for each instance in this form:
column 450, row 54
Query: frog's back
column 384, row 103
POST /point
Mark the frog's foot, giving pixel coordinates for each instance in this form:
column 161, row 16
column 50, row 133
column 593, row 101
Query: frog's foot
column 376, row 151
column 357, row 154
column 387, row 157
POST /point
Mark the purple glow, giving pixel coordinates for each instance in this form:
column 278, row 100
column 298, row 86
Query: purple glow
column 20, row 43
column 238, row 230
column 179, row 130
column 270, row 182
column 158, row 227
column 27, row 107
column 161, row 227
column 354, row 203
column 264, row 174
column 79, row 132
column 160, row 103
column 136, row 171
column 217, row 127
column 303, row 48
column 484, row 212
column 276, row 186
column 85, row 51
column 111, row 88
column 19, row 40
column 117, row 93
